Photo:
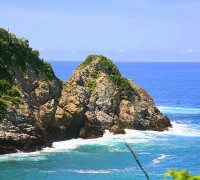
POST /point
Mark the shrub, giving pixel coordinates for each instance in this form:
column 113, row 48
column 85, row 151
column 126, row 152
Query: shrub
column 106, row 65
column 15, row 52
column 87, row 61
column 13, row 92
column 92, row 85
column 48, row 70
column 180, row 175
column 4, row 85
column 14, row 100
column 7, row 93
column 3, row 107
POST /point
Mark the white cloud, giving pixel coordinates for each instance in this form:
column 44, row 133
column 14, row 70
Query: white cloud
column 188, row 51
column 41, row 49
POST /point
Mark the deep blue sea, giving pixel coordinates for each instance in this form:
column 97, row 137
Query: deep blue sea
column 175, row 88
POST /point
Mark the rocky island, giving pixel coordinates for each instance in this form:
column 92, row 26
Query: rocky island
column 36, row 108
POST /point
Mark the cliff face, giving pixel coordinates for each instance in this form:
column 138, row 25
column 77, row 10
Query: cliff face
column 29, row 93
column 97, row 97
column 36, row 109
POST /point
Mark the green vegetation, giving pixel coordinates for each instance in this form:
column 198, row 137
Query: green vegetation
column 92, row 85
column 3, row 107
column 106, row 66
column 15, row 54
column 47, row 69
column 8, row 93
column 180, row 175
column 7, row 90
column 87, row 61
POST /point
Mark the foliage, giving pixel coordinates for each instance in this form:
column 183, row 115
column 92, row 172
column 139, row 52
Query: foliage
column 7, row 90
column 92, row 85
column 15, row 53
column 120, row 82
column 3, row 107
column 180, row 175
column 106, row 65
column 13, row 92
column 47, row 68
column 8, row 93
column 87, row 61
column 4, row 85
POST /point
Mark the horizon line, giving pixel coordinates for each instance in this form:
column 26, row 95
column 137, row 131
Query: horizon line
column 128, row 61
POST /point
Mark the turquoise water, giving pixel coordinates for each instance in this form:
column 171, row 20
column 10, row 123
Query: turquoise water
column 175, row 88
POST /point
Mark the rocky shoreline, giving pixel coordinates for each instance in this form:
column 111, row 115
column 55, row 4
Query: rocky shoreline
column 96, row 98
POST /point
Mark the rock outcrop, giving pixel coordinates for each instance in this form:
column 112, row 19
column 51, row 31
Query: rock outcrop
column 29, row 93
column 37, row 109
column 97, row 97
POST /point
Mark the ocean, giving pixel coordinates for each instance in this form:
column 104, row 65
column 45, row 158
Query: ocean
column 175, row 88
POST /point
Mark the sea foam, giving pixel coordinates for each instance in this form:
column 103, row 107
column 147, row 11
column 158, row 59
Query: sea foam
column 113, row 142
column 178, row 110
column 183, row 130
column 160, row 158
column 21, row 156
column 100, row 171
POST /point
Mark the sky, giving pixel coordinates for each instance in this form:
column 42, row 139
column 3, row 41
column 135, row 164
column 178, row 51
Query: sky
column 123, row 30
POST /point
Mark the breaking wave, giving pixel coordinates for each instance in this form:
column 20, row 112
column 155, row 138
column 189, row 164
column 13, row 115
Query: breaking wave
column 160, row 158
column 183, row 130
column 100, row 171
column 178, row 110
column 114, row 142
column 90, row 171
column 20, row 156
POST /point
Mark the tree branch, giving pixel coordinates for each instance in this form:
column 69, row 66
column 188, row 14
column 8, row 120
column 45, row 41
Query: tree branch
column 136, row 159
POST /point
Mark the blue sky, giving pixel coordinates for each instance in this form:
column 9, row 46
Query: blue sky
column 123, row 30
